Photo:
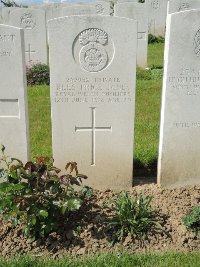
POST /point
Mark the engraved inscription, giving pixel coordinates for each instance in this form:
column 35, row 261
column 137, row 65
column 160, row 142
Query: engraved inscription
column 183, row 7
column 196, row 43
column 92, row 90
column 93, row 56
column 155, row 4
column 4, row 40
column 187, row 125
column 93, row 129
column 99, row 9
column 27, row 21
column 5, row 53
column 7, row 37
column 186, row 82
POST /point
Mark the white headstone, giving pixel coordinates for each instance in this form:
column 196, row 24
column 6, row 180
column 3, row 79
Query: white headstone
column 1, row 18
column 137, row 11
column 182, row 5
column 52, row 10
column 96, row 8
column 179, row 151
column 13, row 99
column 157, row 12
column 93, row 68
column 127, row 1
column 34, row 25
column 6, row 12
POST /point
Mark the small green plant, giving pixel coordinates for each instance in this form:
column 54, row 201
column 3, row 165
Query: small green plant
column 37, row 74
column 152, row 39
column 192, row 219
column 133, row 216
column 143, row 74
column 35, row 196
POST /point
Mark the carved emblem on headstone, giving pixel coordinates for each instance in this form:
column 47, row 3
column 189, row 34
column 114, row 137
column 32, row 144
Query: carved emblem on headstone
column 99, row 9
column 93, row 56
column 197, row 43
column 155, row 4
column 27, row 21
column 184, row 6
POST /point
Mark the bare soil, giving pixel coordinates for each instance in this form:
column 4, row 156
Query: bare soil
column 87, row 234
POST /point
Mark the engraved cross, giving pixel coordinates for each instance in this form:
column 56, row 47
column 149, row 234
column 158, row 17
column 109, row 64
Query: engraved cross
column 29, row 52
column 93, row 129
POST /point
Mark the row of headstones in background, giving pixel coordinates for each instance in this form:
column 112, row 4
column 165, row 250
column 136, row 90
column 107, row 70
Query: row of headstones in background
column 92, row 98
column 58, row 10
column 33, row 21
column 34, row 24
column 98, row 88
column 182, row 5
column 157, row 12
column 179, row 151
column 137, row 11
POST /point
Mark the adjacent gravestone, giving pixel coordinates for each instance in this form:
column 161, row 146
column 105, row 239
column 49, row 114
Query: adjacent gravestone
column 52, row 10
column 96, row 8
column 34, row 25
column 157, row 12
column 1, row 18
column 93, row 68
column 13, row 99
column 179, row 151
column 182, row 5
column 137, row 11
column 127, row 1
column 6, row 12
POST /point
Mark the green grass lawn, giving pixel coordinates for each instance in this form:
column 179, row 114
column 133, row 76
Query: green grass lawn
column 148, row 96
column 139, row 260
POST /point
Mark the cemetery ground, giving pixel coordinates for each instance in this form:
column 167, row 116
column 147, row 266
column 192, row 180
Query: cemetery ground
column 86, row 232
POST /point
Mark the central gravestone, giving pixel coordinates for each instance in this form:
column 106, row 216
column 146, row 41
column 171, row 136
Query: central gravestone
column 93, row 96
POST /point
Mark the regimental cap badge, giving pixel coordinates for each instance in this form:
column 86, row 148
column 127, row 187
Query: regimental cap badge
column 93, row 56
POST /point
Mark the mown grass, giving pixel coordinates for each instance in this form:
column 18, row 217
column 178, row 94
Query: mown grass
column 148, row 95
column 110, row 260
column 39, row 121
column 155, row 54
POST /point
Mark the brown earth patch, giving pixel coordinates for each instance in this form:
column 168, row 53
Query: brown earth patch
column 87, row 234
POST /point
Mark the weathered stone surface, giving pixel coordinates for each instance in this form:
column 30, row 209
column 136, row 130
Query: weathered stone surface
column 179, row 151
column 137, row 11
column 182, row 5
column 93, row 69
column 13, row 99
column 34, row 25
column 157, row 12
column 96, row 8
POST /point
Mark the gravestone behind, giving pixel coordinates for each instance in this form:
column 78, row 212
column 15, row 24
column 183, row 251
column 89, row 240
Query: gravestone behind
column 6, row 13
column 157, row 12
column 93, row 97
column 137, row 11
column 13, row 99
column 34, row 25
column 179, row 151
column 182, row 5
column 96, row 8
column 52, row 10
column 1, row 17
